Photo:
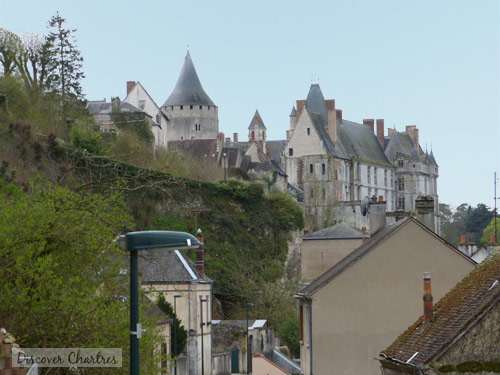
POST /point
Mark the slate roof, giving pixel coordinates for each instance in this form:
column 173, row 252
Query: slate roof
column 315, row 102
column 338, row 231
column 361, row 251
column 257, row 121
column 276, row 148
column 106, row 108
column 458, row 311
column 157, row 266
column 294, row 112
column 188, row 89
column 282, row 362
column 323, row 135
column 200, row 148
column 359, row 141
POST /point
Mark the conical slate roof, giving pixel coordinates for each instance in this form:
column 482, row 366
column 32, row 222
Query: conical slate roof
column 188, row 89
column 315, row 102
column 294, row 112
column 257, row 121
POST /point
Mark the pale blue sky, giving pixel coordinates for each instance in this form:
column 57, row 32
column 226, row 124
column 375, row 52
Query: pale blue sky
column 434, row 64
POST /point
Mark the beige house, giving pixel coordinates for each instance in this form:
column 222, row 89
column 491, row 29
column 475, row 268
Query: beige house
column 364, row 301
column 171, row 273
column 460, row 334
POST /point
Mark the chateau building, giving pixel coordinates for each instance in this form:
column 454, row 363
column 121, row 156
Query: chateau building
column 190, row 111
column 337, row 163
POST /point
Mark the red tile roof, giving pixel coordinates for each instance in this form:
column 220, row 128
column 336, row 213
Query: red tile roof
column 459, row 310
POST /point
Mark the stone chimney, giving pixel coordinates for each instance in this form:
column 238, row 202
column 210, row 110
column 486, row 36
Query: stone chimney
column 235, row 137
column 380, row 132
column 300, row 107
column 115, row 104
column 200, row 264
column 428, row 308
column 424, row 204
column 370, row 123
column 376, row 215
column 130, row 86
column 339, row 115
column 390, row 131
column 332, row 121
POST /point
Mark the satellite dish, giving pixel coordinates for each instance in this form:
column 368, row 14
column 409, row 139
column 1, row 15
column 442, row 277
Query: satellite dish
column 365, row 206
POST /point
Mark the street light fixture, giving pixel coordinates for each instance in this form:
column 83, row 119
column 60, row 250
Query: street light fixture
column 135, row 241
column 249, row 359
column 175, row 332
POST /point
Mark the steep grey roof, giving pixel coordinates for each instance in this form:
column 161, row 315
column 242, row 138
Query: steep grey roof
column 361, row 251
column 188, row 89
column 257, row 121
column 106, row 108
column 276, row 147
column 338, row 231
column 432, row 159
column 315, row 102
column 294, row 112
column 359, row 141
column 277, row 167
column 167, row 266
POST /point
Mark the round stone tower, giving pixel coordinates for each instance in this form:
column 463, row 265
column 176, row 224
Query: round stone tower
column 191, row 112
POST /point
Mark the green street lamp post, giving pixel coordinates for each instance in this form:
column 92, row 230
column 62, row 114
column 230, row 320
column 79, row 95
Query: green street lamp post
column 249, row 359
column 175, row 332
column 147, row 240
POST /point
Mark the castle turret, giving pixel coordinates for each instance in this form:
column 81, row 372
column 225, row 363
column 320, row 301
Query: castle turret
column 257, row 129
column 293, row 118
column 191, row 112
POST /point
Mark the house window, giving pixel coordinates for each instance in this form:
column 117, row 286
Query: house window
column 290, row 152
column 401, row 183
column 311, row 168
column 209, row 108
column 323, row 168
column 358, row 171
column 182, row 107
column 369, row 174
column 201, row 106
column 385, row 177
column 401, row 203
column 191, row 107
column 375, row 175
column 392, row 179
column 197, row 127
column 301, row 320
column 253, row 135
column 172, row 108
column 308, row 131
column 400, row 163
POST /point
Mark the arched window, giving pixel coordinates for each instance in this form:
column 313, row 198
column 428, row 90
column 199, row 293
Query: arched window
column 253, row 134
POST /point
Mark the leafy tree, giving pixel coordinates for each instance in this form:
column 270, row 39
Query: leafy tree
column 10, row 48
column 477, row 219
column 60, row 272
column 64, row 62
column 289, row 333
column 85, row 138
column 180, row 331
column 489, row 231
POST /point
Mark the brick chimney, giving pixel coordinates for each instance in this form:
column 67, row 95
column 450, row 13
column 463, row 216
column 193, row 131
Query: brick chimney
column 130, row 86
column 390, row 131
column 268, row 151
column 380, row 132
column 200, row 264
column 235, row 137
column 370, row 123
column 332, row 120
column 428, row 308
column 462, row 239
column 115, row 104
column 300, row 107
column 413, row 132
column 339, row 115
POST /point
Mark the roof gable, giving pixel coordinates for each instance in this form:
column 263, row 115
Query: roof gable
column 364, row 249
column 458, row 311
column 257, row 122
